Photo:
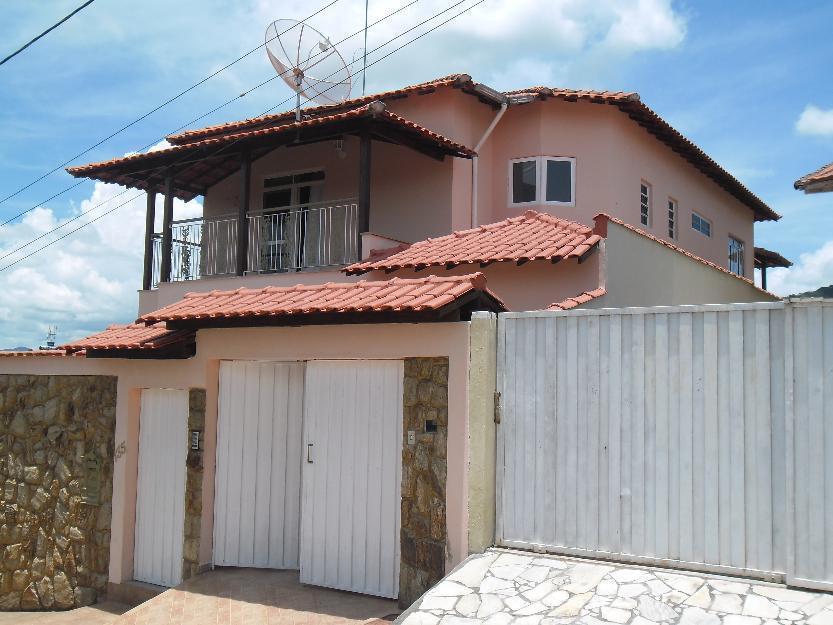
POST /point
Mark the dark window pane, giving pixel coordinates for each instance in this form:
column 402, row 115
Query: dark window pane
column 280, row 181
column 310, row 176
column 523, row 182
column 277, row 198
column 559, row 181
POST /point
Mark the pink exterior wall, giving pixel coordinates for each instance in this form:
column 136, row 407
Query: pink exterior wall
column 385, row 341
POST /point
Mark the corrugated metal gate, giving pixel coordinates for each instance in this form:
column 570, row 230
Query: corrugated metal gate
column 670, row 436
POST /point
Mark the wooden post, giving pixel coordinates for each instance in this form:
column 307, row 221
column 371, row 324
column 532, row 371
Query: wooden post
column 763, row 277
column 150, row 220
column 364, row 189
column 167, row 218
column 242, row 213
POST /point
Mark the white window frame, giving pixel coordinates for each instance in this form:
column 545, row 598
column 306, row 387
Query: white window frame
column 708, row 221
column 649, row 192
column 742, row 256
column 541, row 181
column 673, row 222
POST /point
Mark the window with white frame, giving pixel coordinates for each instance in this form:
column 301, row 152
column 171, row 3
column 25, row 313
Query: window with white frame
column 736, row 256
column 672, row 218
column 701, row 224
column 542, row 180
column 645, row 204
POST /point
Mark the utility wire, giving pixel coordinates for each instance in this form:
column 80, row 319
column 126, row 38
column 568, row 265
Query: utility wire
column 225, row 148
column 91, row 209
column 152, row 111
column 46, row 32
column 193, row 121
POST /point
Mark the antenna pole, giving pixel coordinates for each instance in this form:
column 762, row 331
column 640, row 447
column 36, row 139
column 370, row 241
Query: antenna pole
column 298, row 79
column 364, row 67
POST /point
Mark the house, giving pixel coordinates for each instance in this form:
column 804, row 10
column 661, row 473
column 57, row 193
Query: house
column 818, row 181
column 297, row 389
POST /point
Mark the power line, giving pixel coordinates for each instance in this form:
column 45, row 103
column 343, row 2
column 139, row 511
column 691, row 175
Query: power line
column 46, row 32
column 151, row 112
column 226, row 147
column 196, row 119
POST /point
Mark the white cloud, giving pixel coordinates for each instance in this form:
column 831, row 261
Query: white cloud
column 815, row 121
column 813, row 270
column 83, row 282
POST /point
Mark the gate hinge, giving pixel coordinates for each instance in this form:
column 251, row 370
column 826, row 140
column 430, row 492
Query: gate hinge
column 498, row 407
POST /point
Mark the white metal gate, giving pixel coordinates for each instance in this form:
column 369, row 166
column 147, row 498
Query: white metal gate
column 258, row 475
column 160, row 489
column 646, row 435
column 352, row 475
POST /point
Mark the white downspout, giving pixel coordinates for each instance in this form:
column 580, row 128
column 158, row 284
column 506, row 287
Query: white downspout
column 479, row 145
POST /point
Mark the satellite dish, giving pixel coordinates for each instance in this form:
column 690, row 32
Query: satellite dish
column 308, row 63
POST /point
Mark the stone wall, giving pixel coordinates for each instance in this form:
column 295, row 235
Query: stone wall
column 193, row 486
column 56, row 485
column 423, row 535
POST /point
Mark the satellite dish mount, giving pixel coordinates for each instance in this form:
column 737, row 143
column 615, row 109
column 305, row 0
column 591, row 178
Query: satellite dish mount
column 307, row 62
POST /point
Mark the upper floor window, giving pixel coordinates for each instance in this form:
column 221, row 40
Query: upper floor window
column 701, row 224
column 543, row 180
column 292, row 189
column 672, row 219
column 736, row 256
column 645, row 204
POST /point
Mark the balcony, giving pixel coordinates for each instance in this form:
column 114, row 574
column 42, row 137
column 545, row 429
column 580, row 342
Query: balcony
column 294, row 238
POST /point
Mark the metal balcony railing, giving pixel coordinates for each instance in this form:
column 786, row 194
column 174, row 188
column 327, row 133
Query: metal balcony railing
column 293, row 238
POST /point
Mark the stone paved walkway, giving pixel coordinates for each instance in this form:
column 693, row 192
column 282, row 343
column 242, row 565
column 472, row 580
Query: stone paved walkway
column 501, row 587
column 103, row 613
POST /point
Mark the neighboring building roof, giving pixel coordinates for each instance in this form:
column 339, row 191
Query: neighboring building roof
column 768, row 258
column 817, row 181
column 531, row 236
column 601, row 228
column 459, row 81
column 32, row 353
column 631, row 104
column 578, row 300
column 145, row 170
column 136, row 339
column 423, row 299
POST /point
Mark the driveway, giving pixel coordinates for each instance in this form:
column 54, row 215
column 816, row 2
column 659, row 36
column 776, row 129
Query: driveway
column 501, row 587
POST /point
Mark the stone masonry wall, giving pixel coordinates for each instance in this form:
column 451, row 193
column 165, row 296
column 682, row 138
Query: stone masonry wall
column 56, row 485
column 423, row 534
column 193, row 486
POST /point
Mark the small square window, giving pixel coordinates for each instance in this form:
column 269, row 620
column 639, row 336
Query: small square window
column 524, row 182
column 645, row 204
column 701, row 224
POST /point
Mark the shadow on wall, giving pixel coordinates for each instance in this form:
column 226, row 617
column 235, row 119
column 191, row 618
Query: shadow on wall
column 56, row 486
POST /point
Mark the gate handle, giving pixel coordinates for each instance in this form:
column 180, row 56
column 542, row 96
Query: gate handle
column 309, row 453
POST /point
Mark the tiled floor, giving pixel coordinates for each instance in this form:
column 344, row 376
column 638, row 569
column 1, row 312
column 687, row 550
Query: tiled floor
column 255, row 597
column 103, row 613
column 502, row 587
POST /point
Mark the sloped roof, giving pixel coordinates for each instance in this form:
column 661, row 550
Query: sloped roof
column 212, row 159
column 460, row 81
column 819, row 180
column 531, row 236
column 134, row 337
column 578, row 300
column 343, row 302
column 768, row 258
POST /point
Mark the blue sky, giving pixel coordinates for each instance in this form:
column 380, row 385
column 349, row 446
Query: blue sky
column 734, row 77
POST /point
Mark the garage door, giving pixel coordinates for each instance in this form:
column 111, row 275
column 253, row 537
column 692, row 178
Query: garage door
column 160, row 489
column 258, row 476
column 351, row 498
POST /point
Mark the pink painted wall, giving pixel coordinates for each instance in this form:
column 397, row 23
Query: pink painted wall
column 385, row 341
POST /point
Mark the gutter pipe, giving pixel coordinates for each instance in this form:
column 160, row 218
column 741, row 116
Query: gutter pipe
column 504, row 104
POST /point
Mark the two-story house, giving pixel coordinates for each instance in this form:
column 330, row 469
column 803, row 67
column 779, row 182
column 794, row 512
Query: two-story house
column 305, row 345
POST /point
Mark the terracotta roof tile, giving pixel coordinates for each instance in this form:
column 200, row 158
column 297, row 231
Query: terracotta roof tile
column 133, row 336
column 396, row 295
column 40, row 353
column 601, row 227
column 768, row 258
column 189, row 136
column 578, row 300
column 531, row 236
column 822, row 176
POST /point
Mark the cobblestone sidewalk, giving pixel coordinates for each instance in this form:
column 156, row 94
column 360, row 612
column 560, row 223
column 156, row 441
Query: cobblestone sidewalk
column 501, row 587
